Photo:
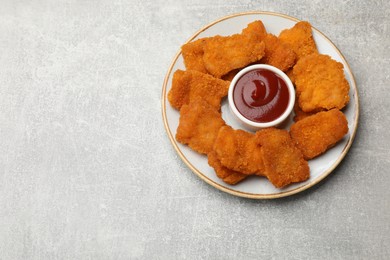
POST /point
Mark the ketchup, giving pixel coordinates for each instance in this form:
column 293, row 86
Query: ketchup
column 260, row 95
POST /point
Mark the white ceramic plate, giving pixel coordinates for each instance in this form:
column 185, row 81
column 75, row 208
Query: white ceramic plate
column 257, row 187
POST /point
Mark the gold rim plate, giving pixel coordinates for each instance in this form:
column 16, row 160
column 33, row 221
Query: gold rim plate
column 260, row 188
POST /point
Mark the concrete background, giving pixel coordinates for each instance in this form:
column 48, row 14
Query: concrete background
column 87, row 170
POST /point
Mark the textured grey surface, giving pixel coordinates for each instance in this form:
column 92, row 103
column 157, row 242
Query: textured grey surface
column 87, row 170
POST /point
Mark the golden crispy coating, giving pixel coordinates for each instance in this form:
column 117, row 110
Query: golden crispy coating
column 255, row 30
column 283, row 161
column 320, row 83
column 190, row 85
column 315, row 134
column 225, row 53
column 300, row 39
column 299, row 114
column 278, row 53
column 193, row 55
column 219, row 55
column 179, row 94
column 237, row 150
column 227, row 175
column 199, row 124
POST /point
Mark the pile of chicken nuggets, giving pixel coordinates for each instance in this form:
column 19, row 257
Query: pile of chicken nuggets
column 276, row 154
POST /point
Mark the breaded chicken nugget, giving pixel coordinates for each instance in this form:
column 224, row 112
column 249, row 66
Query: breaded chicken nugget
column 278, row 53
column 315, row 134
column 225, row 53
column 190, row 85
column 199, row 124
column 219, row 55
column 300, row 39
column 193, row 55
column 255, row 30
column 237, row 150
column 320, row 83
column 227, row 175
column 283, row 161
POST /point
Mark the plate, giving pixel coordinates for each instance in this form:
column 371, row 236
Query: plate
column 255, row 187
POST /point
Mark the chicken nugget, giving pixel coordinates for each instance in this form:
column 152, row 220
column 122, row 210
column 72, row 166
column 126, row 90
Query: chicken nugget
column 255, row 30
column 227, row 175
column 300, row 39
column 320, row 83
column 193, row 55
column 226, row 53
column 237, row 150
column 190, row 85
column 278, row 53
column 219, row 55
column 283, row 161
column 315, row 134
column 199, row 124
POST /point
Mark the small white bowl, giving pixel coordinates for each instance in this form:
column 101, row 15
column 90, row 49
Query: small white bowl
column 254, row 126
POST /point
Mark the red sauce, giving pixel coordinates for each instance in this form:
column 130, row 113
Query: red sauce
column 260, row 95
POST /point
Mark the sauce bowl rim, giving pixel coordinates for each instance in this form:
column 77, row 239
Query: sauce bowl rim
column 278, row 120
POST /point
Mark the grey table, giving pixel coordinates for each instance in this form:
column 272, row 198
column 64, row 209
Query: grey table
column 87, row 170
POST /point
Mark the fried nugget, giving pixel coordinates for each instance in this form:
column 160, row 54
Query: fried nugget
column 237, row 150
column 226, row 53
column 227, row 175
column 219, row 55
column 193, row 55
column 255, row 30
column 320, row 83
column 278, row 53
column 300, row 39
column 315, row 134
column 190, row 85
column 283, row 161
column 199, row 124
